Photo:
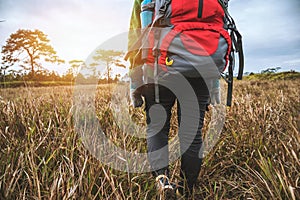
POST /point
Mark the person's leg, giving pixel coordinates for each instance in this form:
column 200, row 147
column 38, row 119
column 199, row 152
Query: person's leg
column 191, row 159
column 191, row 142
column 158, row 125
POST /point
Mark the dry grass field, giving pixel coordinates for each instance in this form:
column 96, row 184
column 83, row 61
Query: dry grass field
column 42, row 156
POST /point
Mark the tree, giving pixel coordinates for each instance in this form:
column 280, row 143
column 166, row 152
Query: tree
column 2, row 72
column 109, row 57
column 28, row 48
column 73, row 71
column 75, row 66
column 270, row 70
column 117, row 77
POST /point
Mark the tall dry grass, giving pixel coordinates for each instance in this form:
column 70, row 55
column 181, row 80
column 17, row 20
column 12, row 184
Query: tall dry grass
column 42, row 157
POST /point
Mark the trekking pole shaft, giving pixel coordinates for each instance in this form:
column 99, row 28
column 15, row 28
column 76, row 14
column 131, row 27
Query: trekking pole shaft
column 156, row 88
column 230, row 82
column 156, row 55
column 229, row 93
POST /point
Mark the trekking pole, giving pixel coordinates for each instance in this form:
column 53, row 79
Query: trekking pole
column 230, row 86
column 229, row 79
column 161, row 13
column 156, row 54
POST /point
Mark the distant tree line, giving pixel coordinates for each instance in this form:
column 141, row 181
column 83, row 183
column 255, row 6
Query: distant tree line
column 270, row 70
column 48, row 76
column 26, row 51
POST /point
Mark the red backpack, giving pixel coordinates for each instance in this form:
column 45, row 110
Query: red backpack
column 194, row 30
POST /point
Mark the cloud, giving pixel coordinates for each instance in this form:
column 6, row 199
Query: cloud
column 76, row 27
column 270, row 33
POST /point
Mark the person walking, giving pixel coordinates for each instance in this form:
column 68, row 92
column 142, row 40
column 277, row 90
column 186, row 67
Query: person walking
column 163, row 82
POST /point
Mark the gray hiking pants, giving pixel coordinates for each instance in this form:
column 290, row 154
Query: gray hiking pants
column 192, row 98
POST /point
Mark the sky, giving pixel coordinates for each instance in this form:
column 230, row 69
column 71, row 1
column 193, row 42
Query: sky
column 270, row 29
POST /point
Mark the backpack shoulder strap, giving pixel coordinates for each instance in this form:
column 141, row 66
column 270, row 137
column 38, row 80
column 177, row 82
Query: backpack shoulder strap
column 236, row 37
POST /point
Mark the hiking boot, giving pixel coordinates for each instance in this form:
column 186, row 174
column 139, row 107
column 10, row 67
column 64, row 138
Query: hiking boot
column 164, row 187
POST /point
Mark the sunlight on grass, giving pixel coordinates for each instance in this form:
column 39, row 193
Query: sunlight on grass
column 42, row 156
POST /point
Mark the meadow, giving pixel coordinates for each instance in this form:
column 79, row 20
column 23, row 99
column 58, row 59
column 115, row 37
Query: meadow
column 43, row 157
